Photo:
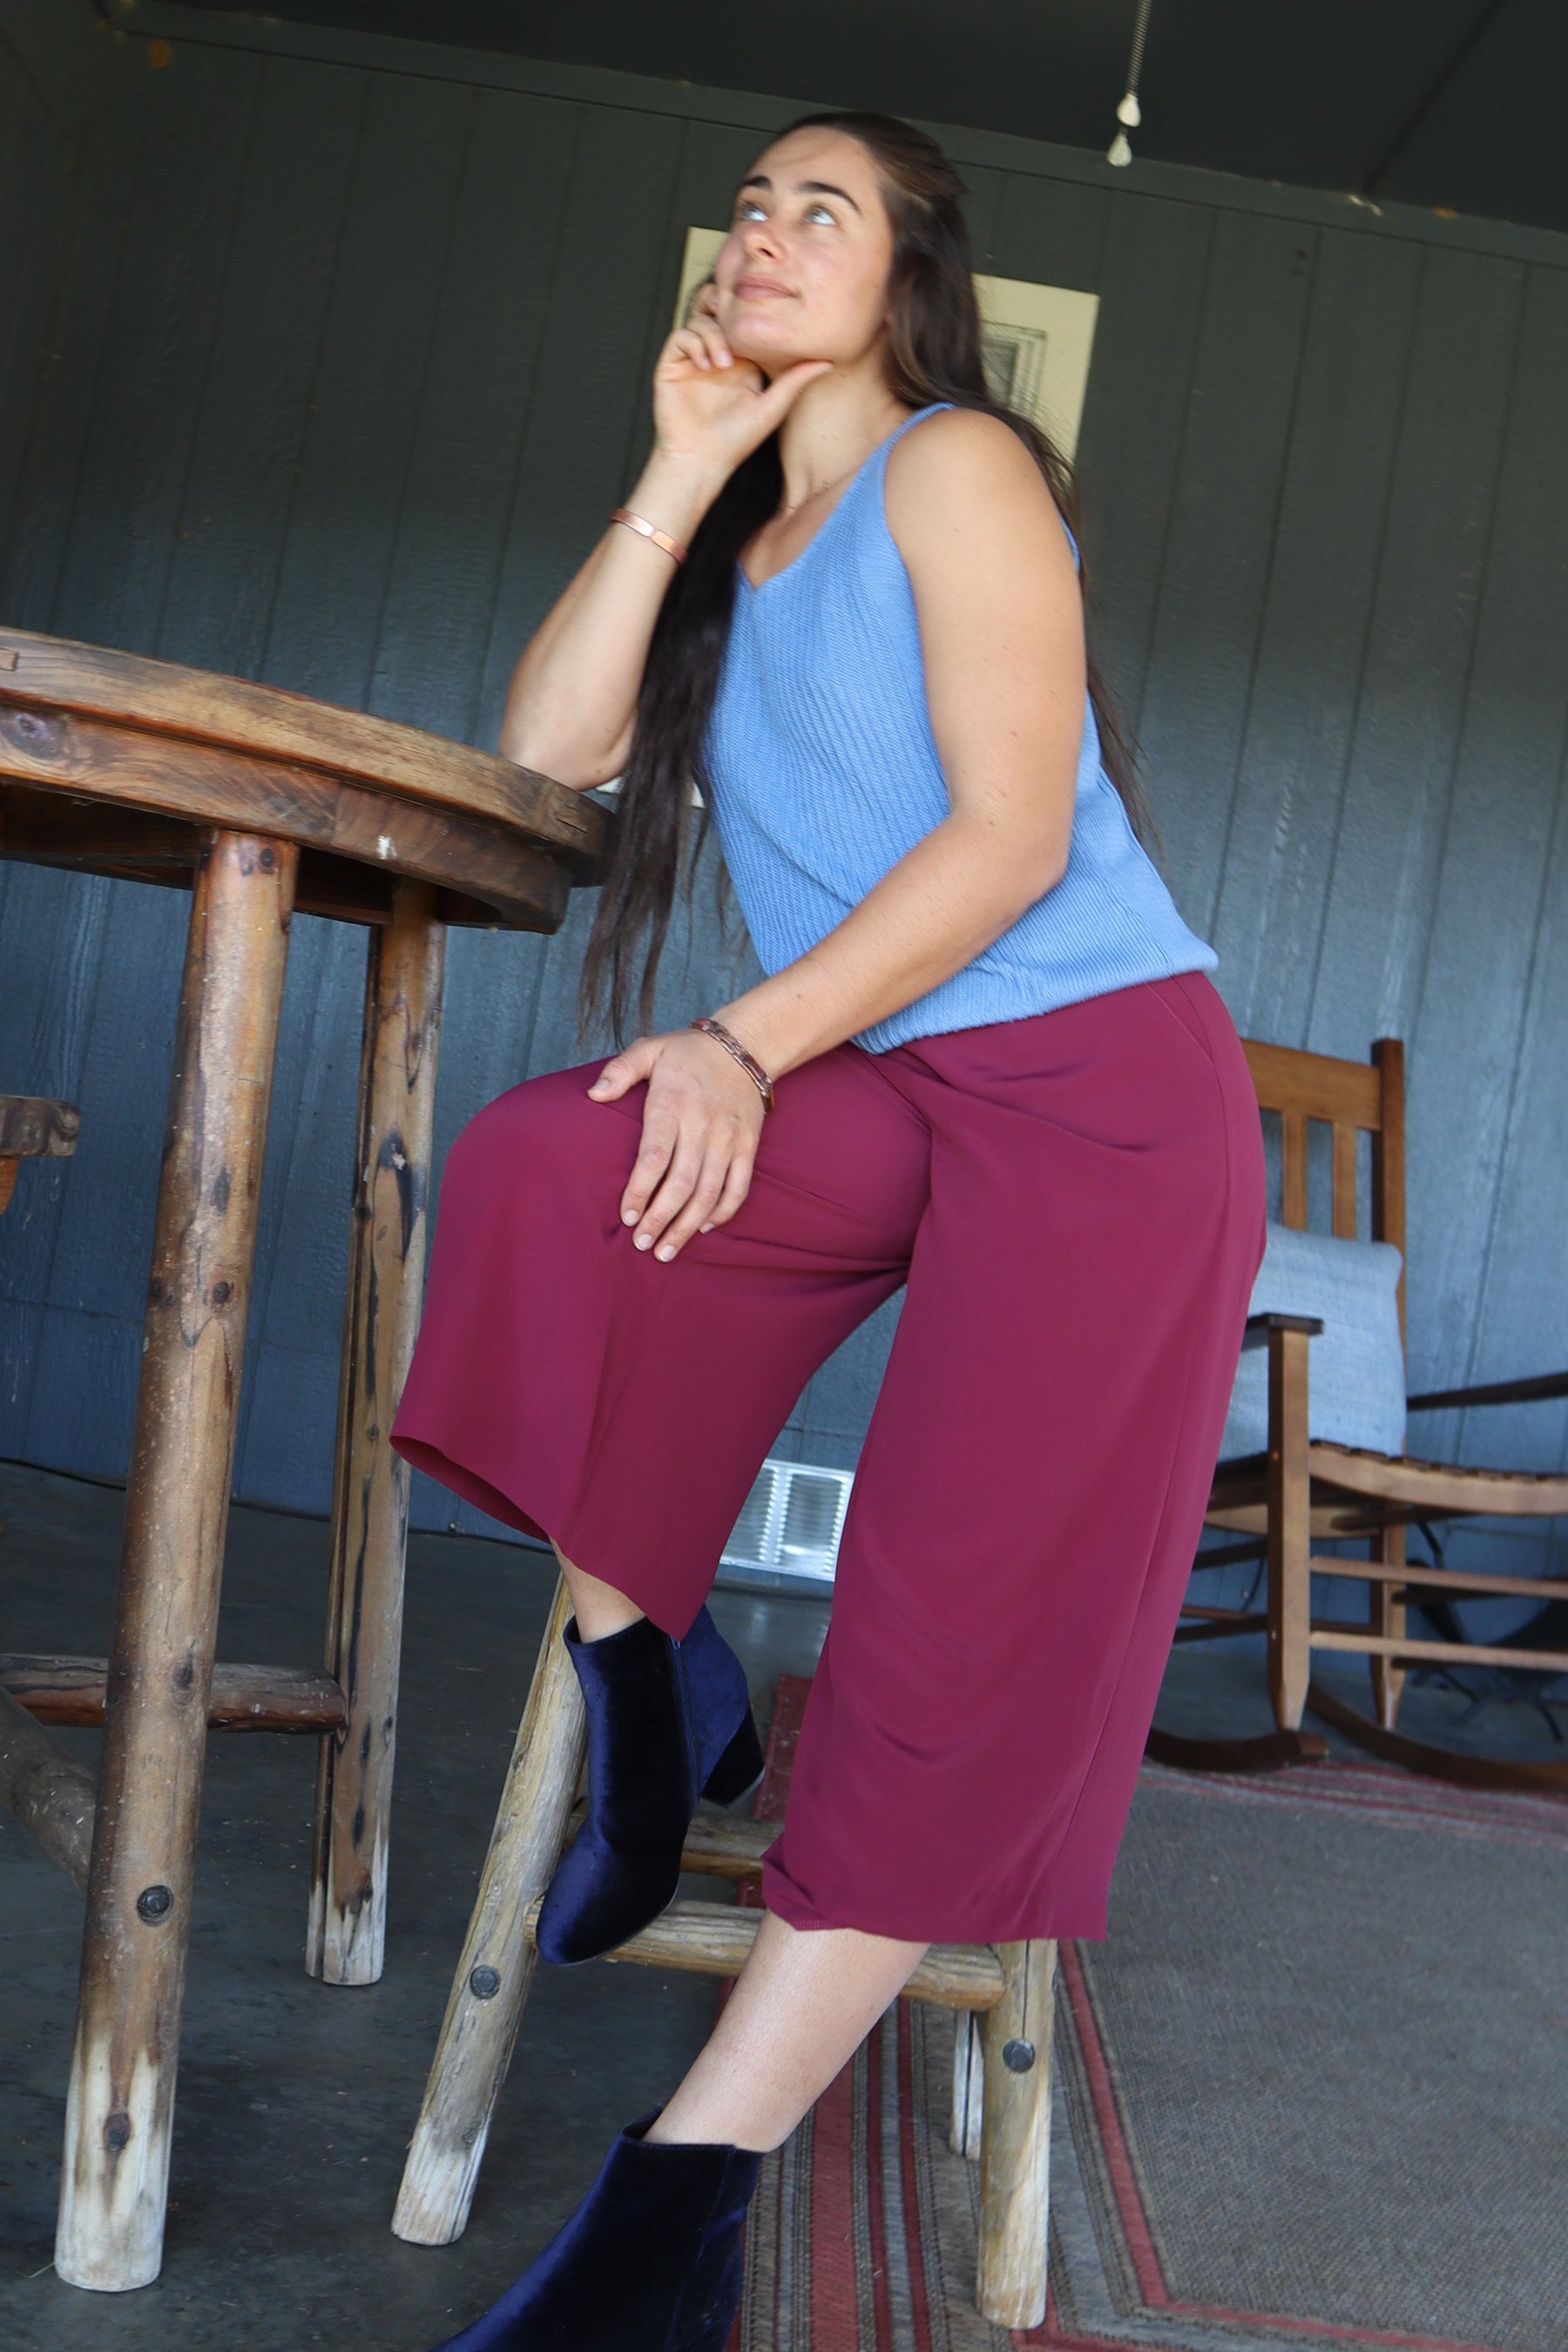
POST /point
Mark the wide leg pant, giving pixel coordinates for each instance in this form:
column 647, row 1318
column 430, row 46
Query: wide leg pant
column 1076, row 1200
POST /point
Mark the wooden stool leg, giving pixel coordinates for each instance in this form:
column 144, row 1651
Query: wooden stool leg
column 1015, row 2140
column 1387, row 1616
column 498, row 1960
column 1290, row 1600
column 346, row 1937
column 965, row 2121
column 47, row 1790
column 121, row 2104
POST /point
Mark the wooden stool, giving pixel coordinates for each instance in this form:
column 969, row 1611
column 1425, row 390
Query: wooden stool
column 1002, row 2074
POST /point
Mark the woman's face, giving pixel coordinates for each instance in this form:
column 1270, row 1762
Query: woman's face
column 803, row 274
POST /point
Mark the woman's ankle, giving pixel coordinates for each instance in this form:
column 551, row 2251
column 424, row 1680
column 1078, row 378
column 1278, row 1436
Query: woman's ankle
column 673, row 2128
column 599, row 1607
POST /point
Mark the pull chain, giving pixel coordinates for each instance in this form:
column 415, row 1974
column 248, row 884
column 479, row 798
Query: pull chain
column 1128, row 112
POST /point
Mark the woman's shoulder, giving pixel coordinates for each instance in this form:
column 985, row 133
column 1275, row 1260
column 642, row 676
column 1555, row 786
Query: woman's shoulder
column 960, row 471
column 961, row 446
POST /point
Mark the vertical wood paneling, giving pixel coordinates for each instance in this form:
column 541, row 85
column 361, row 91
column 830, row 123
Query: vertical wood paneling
column 342, row 374
column 1050, row 230
column 68, row 381
column 296, row 1316
column 246, row 441
column 392, row 252
column 1521, row 1293
column 1486, row 904
column 1419, row 651
column 1306, row 679
column 47, row 1002
column 153, row 358
column 97, row 1278
column 1154, row 269
column 1191, row 710
column 588, row 400
column 456, row 501
column 34, row 205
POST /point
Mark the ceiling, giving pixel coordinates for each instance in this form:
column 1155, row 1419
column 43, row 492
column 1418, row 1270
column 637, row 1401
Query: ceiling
column 1456, row 103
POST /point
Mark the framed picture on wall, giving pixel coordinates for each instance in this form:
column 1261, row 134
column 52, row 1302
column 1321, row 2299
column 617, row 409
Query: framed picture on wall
column 1037, row 338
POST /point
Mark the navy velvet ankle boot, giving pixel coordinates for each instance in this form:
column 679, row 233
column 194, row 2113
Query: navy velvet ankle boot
column 651, row 2261
column 668, row 1721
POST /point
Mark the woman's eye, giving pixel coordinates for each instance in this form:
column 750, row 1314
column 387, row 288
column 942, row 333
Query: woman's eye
column 821, row 211
column 748, row 208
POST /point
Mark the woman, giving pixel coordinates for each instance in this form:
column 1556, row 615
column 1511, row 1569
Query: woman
column 844, row 595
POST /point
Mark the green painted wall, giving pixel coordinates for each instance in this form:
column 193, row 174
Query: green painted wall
column 351, row 362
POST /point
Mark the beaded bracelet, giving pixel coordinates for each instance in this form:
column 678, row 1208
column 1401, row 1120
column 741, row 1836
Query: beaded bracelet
column 749, row 1063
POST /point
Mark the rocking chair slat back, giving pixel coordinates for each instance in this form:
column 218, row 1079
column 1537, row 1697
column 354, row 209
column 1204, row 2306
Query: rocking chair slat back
column 1351, row 1099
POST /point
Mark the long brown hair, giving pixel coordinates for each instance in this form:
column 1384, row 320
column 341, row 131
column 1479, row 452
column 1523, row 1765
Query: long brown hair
column 932, row 353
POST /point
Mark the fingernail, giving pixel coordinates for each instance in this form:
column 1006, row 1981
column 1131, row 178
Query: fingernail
column 666, row 1253
column 628, row 1216
column 705, row 1229
column 645, row 1241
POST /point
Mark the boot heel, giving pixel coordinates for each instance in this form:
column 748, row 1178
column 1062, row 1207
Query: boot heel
column 739, row 1766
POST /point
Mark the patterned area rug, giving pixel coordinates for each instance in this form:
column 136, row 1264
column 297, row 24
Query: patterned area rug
column 1312, row 2090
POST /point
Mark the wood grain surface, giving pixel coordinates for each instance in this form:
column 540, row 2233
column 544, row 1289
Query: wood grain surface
column 171, row 700
column 34, row 1126
column 119, row 2106
column 346, row 1935
column 172, row 776
column 48, row 1792
column 67, row 1691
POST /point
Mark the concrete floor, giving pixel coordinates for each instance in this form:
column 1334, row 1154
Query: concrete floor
column 295, row 2099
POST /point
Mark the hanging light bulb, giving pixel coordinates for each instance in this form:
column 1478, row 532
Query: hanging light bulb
column 1128, row 114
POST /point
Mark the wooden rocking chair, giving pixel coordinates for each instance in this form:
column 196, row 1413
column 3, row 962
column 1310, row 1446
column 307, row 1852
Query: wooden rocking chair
column 1303, row 1489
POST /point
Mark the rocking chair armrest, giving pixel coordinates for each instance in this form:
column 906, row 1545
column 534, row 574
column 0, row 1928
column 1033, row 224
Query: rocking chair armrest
column 1259, row 1327
column 1537, row 1390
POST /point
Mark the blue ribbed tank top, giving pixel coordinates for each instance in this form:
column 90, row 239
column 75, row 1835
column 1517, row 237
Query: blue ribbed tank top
column 822, row 771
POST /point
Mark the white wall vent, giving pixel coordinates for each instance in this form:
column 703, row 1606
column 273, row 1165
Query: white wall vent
column 789, row 1526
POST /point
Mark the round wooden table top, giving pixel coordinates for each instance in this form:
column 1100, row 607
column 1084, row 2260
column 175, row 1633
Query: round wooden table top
column 115, row 763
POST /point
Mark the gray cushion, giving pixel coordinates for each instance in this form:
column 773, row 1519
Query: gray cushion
column 1356, row 1366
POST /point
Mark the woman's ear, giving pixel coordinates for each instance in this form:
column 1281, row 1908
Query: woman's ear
column 702, row 301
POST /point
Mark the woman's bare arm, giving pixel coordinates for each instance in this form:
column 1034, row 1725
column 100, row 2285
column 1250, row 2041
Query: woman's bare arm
column 571, row 703
column 572, row 698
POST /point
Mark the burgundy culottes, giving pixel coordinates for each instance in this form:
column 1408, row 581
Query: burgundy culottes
column 1076, row 1200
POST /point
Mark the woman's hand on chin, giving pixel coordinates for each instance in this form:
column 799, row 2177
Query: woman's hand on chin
column 712, row 406
column 702, row 1124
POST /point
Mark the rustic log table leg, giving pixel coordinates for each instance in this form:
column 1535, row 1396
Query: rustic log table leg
column 120, row 2105
column 347, row 1932
column 1015, row 2139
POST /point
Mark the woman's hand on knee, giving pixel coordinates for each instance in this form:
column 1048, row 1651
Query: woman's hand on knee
column 702, row 1124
